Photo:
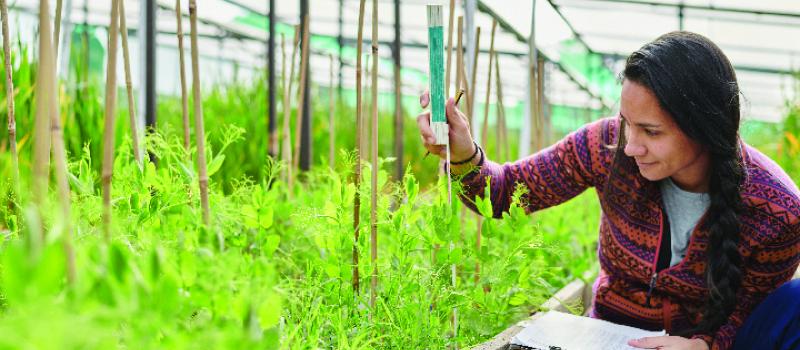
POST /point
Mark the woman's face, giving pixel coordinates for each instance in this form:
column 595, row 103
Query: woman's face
column 656, row 142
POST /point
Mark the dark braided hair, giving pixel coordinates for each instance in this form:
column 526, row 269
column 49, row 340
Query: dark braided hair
column 695, row 83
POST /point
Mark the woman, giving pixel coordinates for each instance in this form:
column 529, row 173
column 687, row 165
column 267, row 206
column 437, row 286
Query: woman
column 697, row 227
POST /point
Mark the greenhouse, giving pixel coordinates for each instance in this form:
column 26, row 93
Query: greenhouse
column 387, row 174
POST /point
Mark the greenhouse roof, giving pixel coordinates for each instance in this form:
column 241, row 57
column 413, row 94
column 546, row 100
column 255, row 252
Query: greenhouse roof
column 585, row 41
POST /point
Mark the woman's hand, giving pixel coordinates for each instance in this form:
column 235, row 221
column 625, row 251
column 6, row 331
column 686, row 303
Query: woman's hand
column 461, row 145
column 668, row 343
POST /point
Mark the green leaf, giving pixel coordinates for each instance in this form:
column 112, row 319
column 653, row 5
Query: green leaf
column 518, row 299
column 216, row 163
column 271, row 245
column 265, row 217
column 269, row 312
column 188, row 268
column 332, row 270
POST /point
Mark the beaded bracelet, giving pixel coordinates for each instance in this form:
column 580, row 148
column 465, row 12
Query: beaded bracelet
column 470, row 158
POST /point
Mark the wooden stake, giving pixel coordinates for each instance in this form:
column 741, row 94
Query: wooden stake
column 435, row 57
column 331, row 126
column 129, row 86
column 184, row 94
column 502, row 131
column 375, row 167
column 449, row 49
column 484, row 138
column 459, row 52
column 287, row 110
column 543, row 137
column 110, row 118
column 57, row 29
column 286, row 151
column 460, row 64
column 46, row 97
column 302, row 91
column 485, row 130
column 472, row 86
column 12, row 123
column 357, row 172
column 199, row 132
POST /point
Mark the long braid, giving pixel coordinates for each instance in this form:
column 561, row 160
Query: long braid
column 723, row 272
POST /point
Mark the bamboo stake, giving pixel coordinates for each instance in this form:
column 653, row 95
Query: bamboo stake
column 460, row 76
column 502, row 131
column 47, row 104
column 365, row 122
column 12, row 123
column 57, row 29
column 449, row 48
column 60, row 162
column 137, row 155
column 286, row 152
column 357, row 172
column 110, row 118
column 199, row 133
column 459, row 52
column 331, row 128
column 302, row 91
column 472, row 86
column 539, row 102
column 48, row 63
column 485, row 131
column 485, row 138
column 184, row 94
column 375, row 167
column 287, row 110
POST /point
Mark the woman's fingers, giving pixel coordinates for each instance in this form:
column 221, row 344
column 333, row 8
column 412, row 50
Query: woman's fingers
column 424, row 123
column 455, row 118
column 425, row 99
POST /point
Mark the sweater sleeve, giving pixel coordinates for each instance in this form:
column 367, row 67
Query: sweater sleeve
column 771, row 265
column 550, row 176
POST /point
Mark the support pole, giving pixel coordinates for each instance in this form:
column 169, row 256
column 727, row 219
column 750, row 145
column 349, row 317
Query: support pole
column 12, row 123
column 305, row 127
column 150, row 70
column 449, row 48
column 357, row 170
column 373, row 217
column 271, row 123
column 340, row 41
column 182, row 67
column 398, row 98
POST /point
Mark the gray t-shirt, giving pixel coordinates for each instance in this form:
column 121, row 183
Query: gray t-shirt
column 684, row 209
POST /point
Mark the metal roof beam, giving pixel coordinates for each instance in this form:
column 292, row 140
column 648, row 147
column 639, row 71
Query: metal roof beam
column 706, row 8
column 482, row 7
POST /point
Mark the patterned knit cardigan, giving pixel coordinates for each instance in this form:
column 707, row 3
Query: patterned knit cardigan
column 632, row 224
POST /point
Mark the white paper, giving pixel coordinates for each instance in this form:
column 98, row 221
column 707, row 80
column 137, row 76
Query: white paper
column 570, row 332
